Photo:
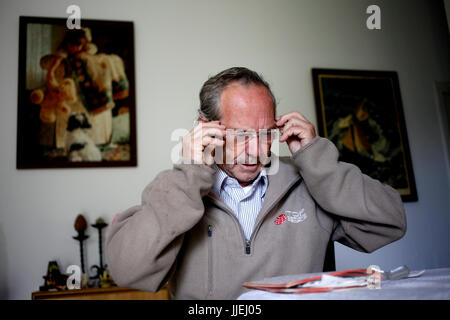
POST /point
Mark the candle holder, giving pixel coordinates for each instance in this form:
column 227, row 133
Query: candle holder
column 81, row 226
column 100, row 269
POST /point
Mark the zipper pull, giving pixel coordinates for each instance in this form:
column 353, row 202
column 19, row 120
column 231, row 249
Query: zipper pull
column 247, row 246
column 209, row 231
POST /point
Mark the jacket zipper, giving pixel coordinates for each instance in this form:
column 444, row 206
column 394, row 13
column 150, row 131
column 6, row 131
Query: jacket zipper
column 210, row 260
column 256, row 228
column 247, row 246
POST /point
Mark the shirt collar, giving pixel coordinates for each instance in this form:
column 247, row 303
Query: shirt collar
column 222, row 179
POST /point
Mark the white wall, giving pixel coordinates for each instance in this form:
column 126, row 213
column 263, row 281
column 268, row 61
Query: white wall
column 178, row 45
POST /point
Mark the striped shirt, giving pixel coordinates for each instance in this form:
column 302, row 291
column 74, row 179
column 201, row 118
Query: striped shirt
column 245, row 202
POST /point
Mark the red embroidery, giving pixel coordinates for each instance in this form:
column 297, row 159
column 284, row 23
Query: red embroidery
column 280, row 219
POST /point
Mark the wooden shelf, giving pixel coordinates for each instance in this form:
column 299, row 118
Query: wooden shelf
column 113, row 293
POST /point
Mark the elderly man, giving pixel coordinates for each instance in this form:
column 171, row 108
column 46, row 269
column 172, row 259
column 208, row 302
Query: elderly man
column 207, row 227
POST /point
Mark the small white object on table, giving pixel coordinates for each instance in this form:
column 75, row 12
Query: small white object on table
column 433, row 284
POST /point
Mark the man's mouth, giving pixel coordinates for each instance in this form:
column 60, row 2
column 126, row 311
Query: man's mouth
column 249, row 166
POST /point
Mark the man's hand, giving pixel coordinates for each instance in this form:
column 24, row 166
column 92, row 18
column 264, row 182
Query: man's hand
column 297, row 130
column 201, row 141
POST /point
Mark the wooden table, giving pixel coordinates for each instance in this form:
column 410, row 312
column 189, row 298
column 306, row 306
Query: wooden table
column 113, row 293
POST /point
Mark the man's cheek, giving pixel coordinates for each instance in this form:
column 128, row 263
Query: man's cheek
column 264, row 153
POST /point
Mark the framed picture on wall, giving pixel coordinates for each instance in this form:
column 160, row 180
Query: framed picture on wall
column 361, row 113
column 76, row 103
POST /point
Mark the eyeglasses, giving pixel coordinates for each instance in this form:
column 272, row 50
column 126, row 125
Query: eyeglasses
column 244, row 136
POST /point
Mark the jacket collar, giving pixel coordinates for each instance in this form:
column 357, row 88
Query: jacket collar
column 222, row 179
column 278, row 184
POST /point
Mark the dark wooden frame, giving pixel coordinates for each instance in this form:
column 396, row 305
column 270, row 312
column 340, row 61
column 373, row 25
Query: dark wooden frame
column 319, row 75
column 23, row 160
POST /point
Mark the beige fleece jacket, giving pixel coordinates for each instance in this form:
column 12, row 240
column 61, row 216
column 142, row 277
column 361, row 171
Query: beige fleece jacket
column 184, row 234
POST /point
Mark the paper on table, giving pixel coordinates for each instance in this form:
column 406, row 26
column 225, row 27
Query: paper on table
column 347, row 279
column 337, row 282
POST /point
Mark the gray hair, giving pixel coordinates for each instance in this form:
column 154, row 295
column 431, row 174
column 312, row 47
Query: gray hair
column 212, row 89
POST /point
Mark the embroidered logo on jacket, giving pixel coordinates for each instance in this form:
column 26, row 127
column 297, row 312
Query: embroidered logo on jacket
column 291, row 216
column 280, row 219
column 296, row 217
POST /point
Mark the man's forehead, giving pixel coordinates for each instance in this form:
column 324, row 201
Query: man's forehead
column 238, row 95
column 247, row 107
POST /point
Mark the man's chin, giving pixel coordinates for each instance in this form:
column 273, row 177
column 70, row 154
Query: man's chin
column 247, row 172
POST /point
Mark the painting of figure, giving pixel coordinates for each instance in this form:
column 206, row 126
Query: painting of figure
column 76, row 94
column 361, row 112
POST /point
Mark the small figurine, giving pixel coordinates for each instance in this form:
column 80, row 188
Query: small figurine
column 54, row 280
column 105, row 280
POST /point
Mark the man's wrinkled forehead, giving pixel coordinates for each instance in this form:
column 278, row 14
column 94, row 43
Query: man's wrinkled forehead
column 247, row 107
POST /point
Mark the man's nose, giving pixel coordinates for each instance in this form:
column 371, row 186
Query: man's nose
column 252, row 149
